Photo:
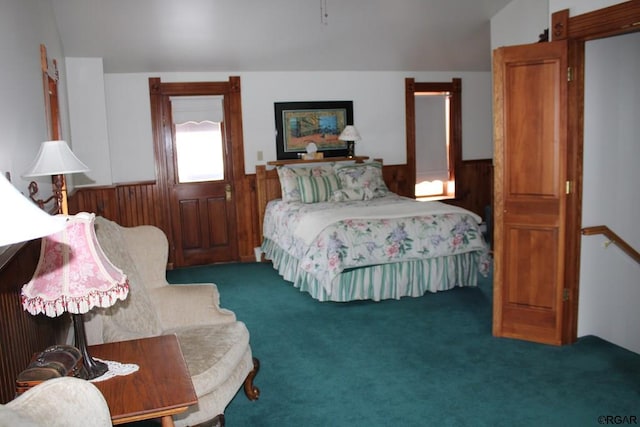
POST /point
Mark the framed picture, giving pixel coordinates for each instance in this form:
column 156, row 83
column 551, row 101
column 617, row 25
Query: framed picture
column 321, row 122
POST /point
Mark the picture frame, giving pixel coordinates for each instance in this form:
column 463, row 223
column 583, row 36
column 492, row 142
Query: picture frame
column 320, row 122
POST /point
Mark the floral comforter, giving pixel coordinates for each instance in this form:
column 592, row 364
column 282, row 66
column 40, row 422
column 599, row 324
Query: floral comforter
column 352, row 243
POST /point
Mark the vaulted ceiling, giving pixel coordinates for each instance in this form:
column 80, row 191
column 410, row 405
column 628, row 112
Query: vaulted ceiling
column 279, row 35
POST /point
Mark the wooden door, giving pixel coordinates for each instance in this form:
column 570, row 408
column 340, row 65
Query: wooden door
column 202, row 204
column 202, row 211
column 530, row 169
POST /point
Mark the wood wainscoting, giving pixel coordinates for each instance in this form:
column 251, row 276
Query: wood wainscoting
column 142, row 203
column 396, row 178
column 131, row 204
column 474, row 185
column 21, row 334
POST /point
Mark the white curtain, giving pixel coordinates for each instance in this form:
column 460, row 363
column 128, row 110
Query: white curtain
column 197, row 109
column 431, row 138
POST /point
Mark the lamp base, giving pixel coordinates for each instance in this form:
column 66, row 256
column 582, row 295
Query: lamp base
column 351, row 148
column 59, row 194
column 94, row 368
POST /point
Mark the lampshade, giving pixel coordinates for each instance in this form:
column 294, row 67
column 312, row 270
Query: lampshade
column 73, row 274
column 22, row 220
column 54, row 158
column 349, row 133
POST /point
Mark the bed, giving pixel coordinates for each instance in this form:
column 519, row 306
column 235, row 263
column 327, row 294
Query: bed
column 335, row 231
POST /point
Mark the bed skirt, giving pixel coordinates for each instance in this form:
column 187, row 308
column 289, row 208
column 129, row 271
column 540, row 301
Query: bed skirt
column 379, row 282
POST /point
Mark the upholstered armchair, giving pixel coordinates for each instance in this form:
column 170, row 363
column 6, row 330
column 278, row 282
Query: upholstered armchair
column 214, row 343
column 59, row 402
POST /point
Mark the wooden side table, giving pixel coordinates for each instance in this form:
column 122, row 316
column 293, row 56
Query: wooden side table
column 161, row 388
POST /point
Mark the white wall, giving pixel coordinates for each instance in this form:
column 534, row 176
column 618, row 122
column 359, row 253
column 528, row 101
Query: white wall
column 519, row 22
column 609, row 284
column 88, row 119
column 578, row 7
column 609, row 279
column 24, row 25
column 378, row 99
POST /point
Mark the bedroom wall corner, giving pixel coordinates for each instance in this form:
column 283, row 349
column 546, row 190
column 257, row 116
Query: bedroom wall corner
column 89, row 135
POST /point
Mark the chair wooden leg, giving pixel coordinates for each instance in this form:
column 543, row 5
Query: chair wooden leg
column 251, row 391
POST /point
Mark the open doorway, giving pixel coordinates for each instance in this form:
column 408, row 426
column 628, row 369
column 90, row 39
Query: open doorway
column 611, row 152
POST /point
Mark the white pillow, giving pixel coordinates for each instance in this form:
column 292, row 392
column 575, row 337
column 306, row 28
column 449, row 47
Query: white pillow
column 348, row 194
column 363, row 175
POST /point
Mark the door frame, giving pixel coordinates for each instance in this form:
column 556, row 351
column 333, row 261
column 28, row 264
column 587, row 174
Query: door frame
column 162, row 141
column 455, row 127
column 577, row 30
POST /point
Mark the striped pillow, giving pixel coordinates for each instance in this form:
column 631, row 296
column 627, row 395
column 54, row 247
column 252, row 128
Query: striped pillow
column 314, row 189
column 288, row 175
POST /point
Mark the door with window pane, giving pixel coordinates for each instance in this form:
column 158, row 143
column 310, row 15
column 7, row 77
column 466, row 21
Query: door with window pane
column 200, row 182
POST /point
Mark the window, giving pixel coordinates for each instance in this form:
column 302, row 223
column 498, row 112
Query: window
column 434, row 140
column 432, row 145
column 199, row 152
column 198, row 138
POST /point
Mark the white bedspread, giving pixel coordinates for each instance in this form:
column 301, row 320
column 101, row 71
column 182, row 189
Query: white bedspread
column 312, row 224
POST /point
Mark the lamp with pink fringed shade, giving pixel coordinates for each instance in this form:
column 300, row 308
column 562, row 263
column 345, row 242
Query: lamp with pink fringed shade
column 74, row 275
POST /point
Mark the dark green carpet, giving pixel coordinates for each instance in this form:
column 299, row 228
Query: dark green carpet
column 413, row 362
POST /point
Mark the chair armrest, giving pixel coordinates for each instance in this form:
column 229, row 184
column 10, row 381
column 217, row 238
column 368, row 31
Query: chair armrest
column 189, row 305
column 66, row 401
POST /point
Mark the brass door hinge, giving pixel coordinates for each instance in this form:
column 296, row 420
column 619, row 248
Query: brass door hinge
column 567, row 187
column 569, row 74
column 565, row 294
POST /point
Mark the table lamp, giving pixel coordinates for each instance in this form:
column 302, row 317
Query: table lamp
column 74, row 275
column 350, row 135
column 54, row 158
